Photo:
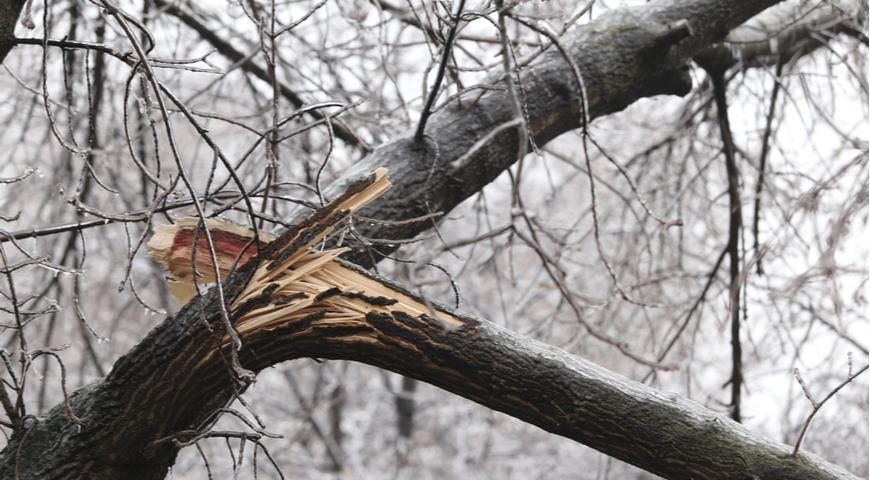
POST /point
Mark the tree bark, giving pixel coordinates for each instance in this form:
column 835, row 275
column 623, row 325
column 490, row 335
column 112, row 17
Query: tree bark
column 175, row 378
column 623, row 56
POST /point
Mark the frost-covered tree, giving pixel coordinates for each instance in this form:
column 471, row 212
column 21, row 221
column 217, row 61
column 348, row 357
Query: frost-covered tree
column 632, row 226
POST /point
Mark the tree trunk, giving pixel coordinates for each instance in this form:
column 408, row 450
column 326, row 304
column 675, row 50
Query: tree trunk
column 172, row 381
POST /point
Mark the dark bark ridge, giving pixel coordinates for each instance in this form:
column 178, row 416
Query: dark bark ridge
column 173, row 379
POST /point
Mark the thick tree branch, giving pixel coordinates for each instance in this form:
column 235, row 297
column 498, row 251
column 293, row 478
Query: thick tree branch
column 289, row 302
column 178, row 368
column 625, row 55
column 794, row 29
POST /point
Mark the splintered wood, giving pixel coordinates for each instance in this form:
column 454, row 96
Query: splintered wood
column 172, row 245
column 295, row 281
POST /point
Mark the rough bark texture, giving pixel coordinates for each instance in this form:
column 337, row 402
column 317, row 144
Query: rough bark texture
column 623, row 56
column 174, row 378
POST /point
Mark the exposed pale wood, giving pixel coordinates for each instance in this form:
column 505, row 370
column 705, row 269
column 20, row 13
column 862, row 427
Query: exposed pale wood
column 305, row 271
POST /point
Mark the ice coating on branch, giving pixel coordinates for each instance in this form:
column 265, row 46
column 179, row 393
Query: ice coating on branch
column 775, row 20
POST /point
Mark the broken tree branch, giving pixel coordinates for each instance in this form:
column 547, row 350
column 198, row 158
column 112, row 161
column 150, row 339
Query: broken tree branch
column 291, row 301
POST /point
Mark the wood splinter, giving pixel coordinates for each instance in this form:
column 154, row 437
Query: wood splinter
column 294, row 280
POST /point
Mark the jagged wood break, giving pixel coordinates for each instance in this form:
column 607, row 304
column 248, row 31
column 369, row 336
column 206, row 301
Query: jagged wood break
column 299, row 282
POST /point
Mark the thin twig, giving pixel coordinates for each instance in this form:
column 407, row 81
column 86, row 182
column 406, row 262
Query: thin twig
column 445, row 57
column 818, row 405
column 735, row 225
